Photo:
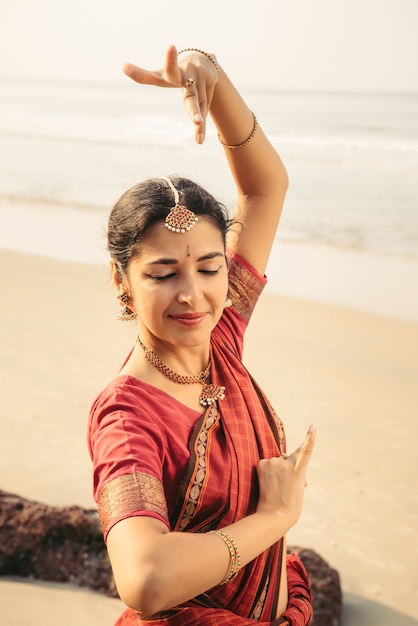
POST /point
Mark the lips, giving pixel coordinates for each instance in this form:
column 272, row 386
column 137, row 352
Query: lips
column 189, row 319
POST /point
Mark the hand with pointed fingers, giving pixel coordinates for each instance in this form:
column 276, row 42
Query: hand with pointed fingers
column 193, row 73
column 282, row 481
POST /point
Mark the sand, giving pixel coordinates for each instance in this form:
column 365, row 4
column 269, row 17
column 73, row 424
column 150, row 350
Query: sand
column 353, row 373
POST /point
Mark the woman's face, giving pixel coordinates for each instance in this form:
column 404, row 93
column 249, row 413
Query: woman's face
column 178, row 284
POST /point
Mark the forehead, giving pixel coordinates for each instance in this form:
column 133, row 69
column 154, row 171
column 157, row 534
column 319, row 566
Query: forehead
column 204, row 237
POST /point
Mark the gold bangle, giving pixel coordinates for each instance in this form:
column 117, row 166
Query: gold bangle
column 208, row 55
column 244, row 143
column 234, row 555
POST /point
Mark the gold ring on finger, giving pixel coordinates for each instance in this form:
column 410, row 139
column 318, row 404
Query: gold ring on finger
column 189, row 82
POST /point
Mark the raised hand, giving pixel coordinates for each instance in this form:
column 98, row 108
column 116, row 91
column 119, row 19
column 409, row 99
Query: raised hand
column 282, row 481
column 191, row 71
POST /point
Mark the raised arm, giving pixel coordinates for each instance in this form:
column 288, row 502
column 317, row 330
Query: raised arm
column 258, row 171
column 259, row 174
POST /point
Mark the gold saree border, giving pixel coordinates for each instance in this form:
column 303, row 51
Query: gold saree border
column 198, row 477
column 129, row 493
column 244, row 288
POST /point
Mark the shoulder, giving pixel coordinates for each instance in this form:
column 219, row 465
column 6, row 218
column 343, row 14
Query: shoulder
column 122, row 393
column 125, row 405
column 130, row 409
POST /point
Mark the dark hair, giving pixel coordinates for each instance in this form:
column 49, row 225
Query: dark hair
column 149, row 202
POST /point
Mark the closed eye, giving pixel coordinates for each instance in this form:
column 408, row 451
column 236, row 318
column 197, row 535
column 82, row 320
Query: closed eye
column 211, row 272
column 161, row 278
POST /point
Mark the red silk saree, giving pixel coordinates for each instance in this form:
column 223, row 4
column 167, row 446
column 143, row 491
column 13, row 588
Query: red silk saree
column 199, row 473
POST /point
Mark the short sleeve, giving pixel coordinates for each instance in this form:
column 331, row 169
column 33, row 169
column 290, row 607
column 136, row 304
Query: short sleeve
column 127, row 449
column 245, row 286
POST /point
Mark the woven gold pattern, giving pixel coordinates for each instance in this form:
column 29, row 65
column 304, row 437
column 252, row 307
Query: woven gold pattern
column 244, row 290
column 200, row 469
column 129, row 493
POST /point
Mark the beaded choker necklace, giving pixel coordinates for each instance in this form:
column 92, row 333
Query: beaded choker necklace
column 210, row 393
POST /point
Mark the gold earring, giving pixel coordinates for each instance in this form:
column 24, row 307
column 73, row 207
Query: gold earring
column 126, row 315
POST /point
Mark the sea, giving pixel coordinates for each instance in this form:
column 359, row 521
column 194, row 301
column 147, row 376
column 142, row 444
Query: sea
column 68, row 150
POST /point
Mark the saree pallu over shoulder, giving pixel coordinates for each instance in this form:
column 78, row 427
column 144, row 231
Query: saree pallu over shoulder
column 253, row 595
column 252, row 432
column 228, row 441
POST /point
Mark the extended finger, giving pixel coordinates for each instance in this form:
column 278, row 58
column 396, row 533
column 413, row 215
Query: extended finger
column 195, row 109
column 199, row 109
column 304, row 453
column 167, row 77
column 171, row 68
column 143, row 76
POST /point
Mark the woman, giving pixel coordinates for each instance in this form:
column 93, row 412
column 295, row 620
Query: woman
column 194, row 489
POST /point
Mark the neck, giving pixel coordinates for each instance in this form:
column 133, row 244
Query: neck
column 184, row 361
column 209, row 393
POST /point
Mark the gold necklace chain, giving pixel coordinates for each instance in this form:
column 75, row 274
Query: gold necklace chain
column 210, row 393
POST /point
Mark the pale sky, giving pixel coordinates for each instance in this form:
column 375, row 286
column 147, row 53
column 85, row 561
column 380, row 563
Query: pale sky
column 284, row 44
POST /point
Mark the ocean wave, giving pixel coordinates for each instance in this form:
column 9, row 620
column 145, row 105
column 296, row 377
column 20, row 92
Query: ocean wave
column 352, row 160
column 163, row 131
column 366, row 146
column 141, row 130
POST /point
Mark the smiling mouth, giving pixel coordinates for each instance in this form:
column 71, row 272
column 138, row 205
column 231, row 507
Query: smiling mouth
column 189, row 319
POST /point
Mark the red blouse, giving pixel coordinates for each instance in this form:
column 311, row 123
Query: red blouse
column 138, row 435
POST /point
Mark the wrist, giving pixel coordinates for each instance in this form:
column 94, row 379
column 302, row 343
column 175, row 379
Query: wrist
column 208, row 55
column 274, row 521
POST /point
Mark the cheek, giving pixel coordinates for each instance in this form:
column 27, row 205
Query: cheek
column 152, row 300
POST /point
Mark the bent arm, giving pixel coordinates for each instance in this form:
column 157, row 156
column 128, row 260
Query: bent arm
column 259, row 174
column 155, row 570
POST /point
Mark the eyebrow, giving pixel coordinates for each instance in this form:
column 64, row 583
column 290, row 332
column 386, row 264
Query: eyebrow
column 205, row 257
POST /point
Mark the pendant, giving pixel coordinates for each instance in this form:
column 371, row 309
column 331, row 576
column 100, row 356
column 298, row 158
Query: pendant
column 180, row 219
column 210, row 394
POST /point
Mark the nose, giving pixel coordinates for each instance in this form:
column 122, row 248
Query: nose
column 185, row 299
column 189, row 291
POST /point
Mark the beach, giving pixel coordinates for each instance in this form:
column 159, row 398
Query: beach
column 334, row 339
column 351, row 372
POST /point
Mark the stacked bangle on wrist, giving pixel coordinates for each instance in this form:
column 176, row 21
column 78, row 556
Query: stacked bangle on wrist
column 208, row 55
column 234, row 555
column 244, row 143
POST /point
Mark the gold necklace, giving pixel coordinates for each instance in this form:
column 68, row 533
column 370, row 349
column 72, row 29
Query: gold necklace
column 210, row 393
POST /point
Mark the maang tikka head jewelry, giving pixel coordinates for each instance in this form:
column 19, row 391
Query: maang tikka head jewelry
column 180, row 219
column 126, row 315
